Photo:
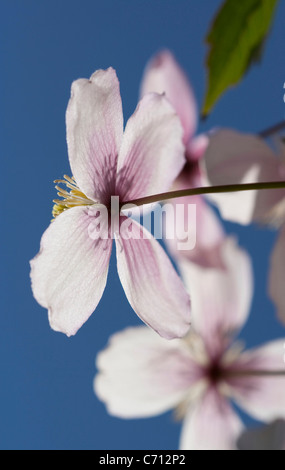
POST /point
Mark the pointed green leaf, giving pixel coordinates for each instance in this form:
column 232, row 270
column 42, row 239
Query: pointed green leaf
column 236, row 41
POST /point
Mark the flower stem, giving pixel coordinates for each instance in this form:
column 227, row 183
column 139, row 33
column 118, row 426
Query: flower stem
column 255, row 373
column 272, row 130
column 228, row 188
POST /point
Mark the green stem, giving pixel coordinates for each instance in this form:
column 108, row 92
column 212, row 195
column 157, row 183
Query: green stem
column 255, row 373
column 228, row 188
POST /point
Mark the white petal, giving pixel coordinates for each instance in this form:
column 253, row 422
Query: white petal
column 94, row 126
column 211, row 425
column 69, row 274
column 152, row 153
column 142, row 374
column 152, row 286
column 235, row 158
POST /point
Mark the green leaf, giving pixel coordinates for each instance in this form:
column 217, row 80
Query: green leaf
column 236, row 40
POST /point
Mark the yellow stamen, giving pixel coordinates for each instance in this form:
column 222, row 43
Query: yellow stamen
column 71, row 198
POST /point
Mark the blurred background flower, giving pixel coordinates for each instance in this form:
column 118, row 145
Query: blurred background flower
column 201, row 374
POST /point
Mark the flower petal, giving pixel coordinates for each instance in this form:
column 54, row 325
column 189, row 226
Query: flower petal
column 211, row 425
column 94, row 126
column 164, row 75
column 277, row 275
column 220, row 297
column 152, row 153
column 261, row 396
column 197, row 147
column 69, row 273
column 235, row 158
column 142, row 374
column 151, row 284
column 193, row 231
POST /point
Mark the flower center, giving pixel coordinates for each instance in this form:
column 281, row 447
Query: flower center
column 190, row 173
column 214, row 372
column 71, row 197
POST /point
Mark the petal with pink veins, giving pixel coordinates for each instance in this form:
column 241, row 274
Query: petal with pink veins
column 94, row 127
column 235, row 158
column 152, row 152
column 211, row 424
column 69, row 274
column 164, row 75
column 141, row 374
column 152, row 286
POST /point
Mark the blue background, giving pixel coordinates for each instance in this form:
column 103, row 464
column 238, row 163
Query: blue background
column 46, row 395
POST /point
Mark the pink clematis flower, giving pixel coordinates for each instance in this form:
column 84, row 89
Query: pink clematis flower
column 142, row 375
column 164, row 75
column 235, row 158
column 70, row 272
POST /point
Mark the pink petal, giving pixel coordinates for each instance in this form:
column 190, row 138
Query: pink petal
column 151, row 284
column 200, row 225
column 277, row 276
column 197, row 147
column 164, row 75
column 261, row 397
column 69, row 274
column 94, row 126
column 142, row 374
column 220, row 297
column 235, row 158
column 152, row 153
column 211, row 425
